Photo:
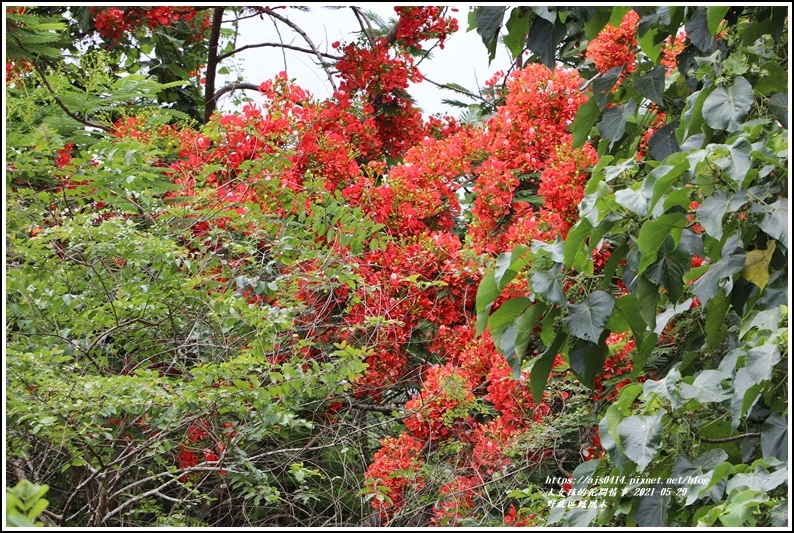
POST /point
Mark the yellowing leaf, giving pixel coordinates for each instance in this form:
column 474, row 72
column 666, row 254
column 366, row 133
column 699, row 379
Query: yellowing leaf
column 756, row 265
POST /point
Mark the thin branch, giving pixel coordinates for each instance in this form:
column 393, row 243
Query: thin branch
column 234, row 87
column 729, row 439
column 306, row 38
column 366, row 28
column 276, row 45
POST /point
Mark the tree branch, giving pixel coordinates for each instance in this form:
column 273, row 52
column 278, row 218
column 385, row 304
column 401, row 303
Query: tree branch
column 275, row 45
column 212, row 63
column 233, row 87
column 729, row 439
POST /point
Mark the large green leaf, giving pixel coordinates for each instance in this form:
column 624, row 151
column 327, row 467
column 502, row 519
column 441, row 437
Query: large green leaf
column 669, row 269
column 525, row 324
column 633, row 199
column 737, row 161
column 575, row 253
column 745, row 393
column 508, row 265
column 727, row 107
column 714, row 16
column 774, row 437
column 651, row 85
column 778, row 106
column 663, row 142
column 701, row 467
column 587, row 359
column 654, row 232
column 652, row 511
column 543, row 40
column 613, row 125
column 541, row 368
column 714, row 208
column 706, row 287
column 602, row 86
column 641, row 438
column 706, row 387
column 761, row 360
column 586, row 117
column 517, row 26
column 697, row 29
column 547, row 284
column 739, row 510
column 775, row 219
column 506, row 315
column 587, row 320
column 489, row 22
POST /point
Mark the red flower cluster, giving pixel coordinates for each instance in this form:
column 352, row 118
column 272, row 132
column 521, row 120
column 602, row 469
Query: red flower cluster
column 615, row 46
column 113, row 22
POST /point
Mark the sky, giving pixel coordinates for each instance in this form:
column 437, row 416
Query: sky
column 464, row 59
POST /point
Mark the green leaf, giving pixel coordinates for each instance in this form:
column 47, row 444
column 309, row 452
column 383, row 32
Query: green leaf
column 778, row 106
column 727, row 107
column 652, row 511
column 700, row 467
column 525, row 324
column 574, row 249
column 508, row 265
column 602, row 86
column 654, row 232
column 775, row 219
column 633, row 199
column 745, row 393
column 669, row 269
column 714, row 208
column 775, row 80
column 613, row 125
column 543, row 40
column 663, row 142
column 586, row 117
column 716, row 327
column 506, row 315
column 641, row 438
column 547, row 284
column 706, row 387
column 541, row 368
column 651, row 85
column 761, row 360
column 706, row 287
column 647, row 298
column 587, row 359
column 774, row 437
column 714, row 16
column 737, row 162
column 697, row 29
column 740, row 508
column 489, row 21
column 666, row 388
column 586, row 320
column 517, row 28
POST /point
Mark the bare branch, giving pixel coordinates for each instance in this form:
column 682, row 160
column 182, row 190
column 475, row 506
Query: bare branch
column 276, row 45
column 729, row 439
column 366, row 28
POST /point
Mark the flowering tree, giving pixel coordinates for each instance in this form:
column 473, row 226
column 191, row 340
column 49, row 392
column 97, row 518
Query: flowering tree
column 569, row 310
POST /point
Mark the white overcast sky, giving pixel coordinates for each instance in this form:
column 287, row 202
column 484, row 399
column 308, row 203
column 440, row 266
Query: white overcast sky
column 464, row 59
